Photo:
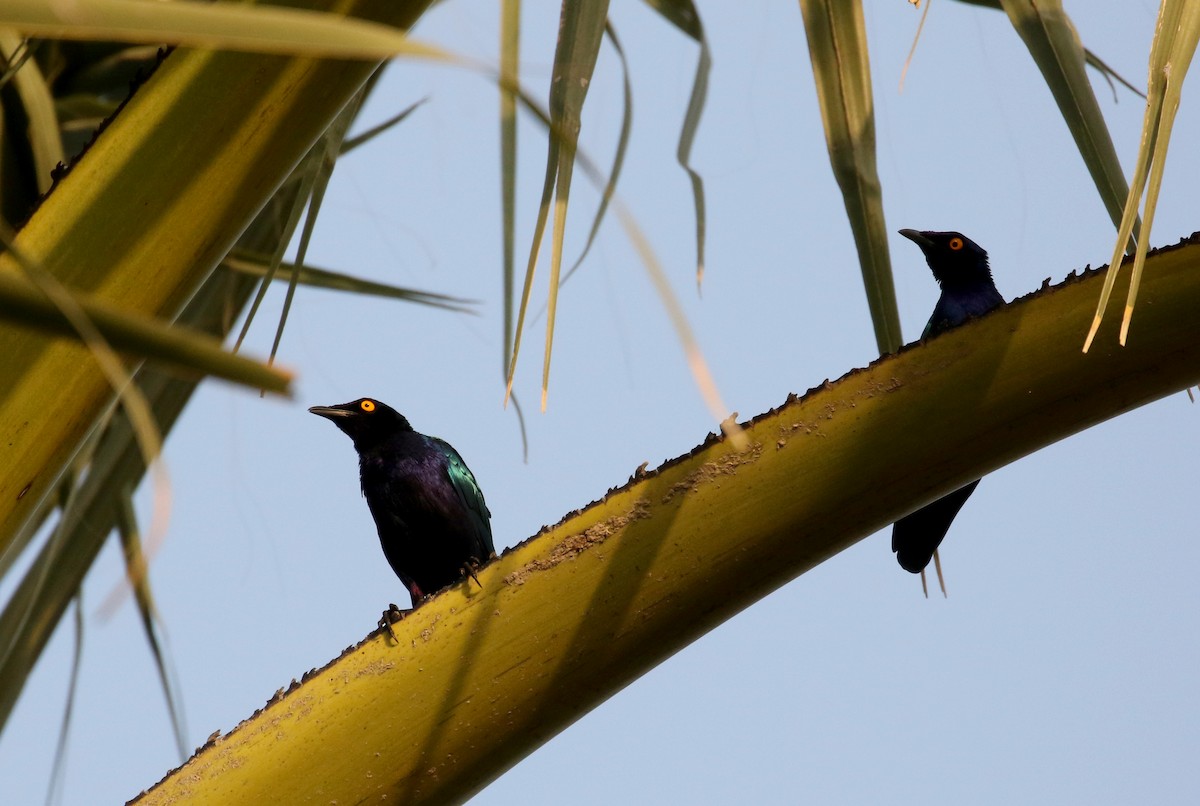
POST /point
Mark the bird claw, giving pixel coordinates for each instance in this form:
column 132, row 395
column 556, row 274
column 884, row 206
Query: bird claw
column 469, row 570
column 390, row 616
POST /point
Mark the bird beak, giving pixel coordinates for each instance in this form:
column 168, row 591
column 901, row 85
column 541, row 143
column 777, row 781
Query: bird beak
column 917, row 238
column 329, row 412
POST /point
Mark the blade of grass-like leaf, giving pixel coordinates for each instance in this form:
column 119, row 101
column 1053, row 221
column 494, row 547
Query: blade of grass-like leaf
column 510, row 53
column 12, row 58
column 683, row 15
column 581, row 29
column 137, row 574
column 1175, row 40
column 1137, row 188
column 683, row 153
column 837, row 45
column 562, row 192
column 539, row 227
column 1110, row 75
column 58, row 768
column 351, row 143
column 139, row 335
column 1054, row 44
column 228, row 26
column 619, row 159
column 37, row 102
column 304, row 175
column 695, row 358
column 315, row 172
column 1154, row 183
column 904, row 72
column 307, row 176
column 325, row 153
column 559, row 135
column 1184, row 36
column 258, row 266
column 21, row 617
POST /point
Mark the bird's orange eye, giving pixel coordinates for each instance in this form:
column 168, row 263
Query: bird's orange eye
column 367, row 405
column 955, row 244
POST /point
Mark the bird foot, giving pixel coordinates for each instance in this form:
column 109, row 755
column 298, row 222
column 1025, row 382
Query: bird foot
column 390, row 616
column 469, row 570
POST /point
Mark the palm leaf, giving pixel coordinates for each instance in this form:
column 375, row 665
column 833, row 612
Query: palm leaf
column 1175, row 41
column 684, row 16
column 837, row 45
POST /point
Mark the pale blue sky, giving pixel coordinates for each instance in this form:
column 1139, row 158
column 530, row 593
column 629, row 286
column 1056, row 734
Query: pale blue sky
column 1061, row 669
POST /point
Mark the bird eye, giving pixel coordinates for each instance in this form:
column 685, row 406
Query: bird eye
column 955, row 244
column 367, row 405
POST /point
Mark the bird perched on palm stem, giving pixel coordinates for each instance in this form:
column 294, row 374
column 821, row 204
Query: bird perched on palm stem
column 432, row 520
column 961, row 268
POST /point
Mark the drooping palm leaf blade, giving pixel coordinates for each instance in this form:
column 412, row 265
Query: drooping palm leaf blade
column 170, row 214
column 684, row 16
column 837, row 45
column 1175, row 41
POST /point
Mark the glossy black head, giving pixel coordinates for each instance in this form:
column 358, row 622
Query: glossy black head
column 956, row 260
column 366, row 420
